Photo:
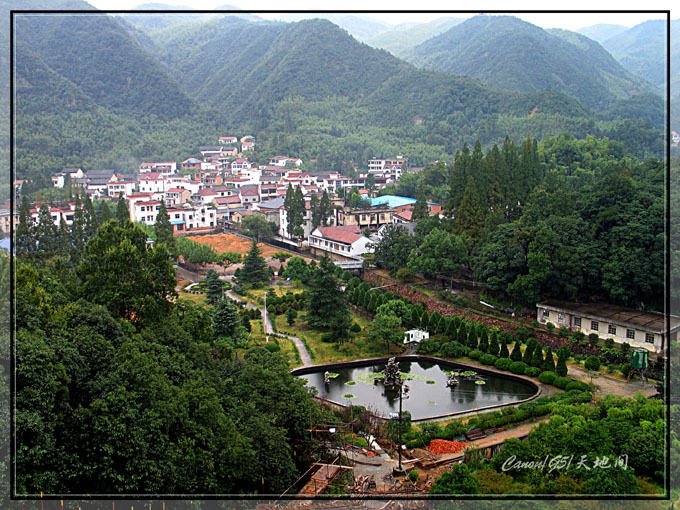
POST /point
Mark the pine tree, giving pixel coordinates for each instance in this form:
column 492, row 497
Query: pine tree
column 484, row 341
column 78, row 231
column 549, row 362
column 326, row 208
column 24, row 235
column 225, row 319
column 291, row 314
column 517, row 352
column 326, row 306
column 164, row 230
column 494, row 348
column 214, row 288
column 472, row 340
column 504, row 349
column 537, row 359
column 462, row 335
column 425, row 321
column 452, row 330
column 255, row 272
column 470, row 215
column 105, row 213
column 561, row 368
column 529, row 351
column 91, row 222
column 316, row 214
column 122, row 213
column 63, row 246
column 45, row 232
column 420, row 210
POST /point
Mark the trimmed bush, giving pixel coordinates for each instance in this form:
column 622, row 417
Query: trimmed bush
column 272, row 347
column 327, row 337
column 577, row 385
column 547, row 377
column 475, row 354
column 488, row 359
column 532, row 371
column 592, row 363
column 561, row 382
column 503, row 363
column 413, row 475
column 518, row 367
column 355, row 328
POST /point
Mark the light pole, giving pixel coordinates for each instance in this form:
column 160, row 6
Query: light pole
column 264, row 322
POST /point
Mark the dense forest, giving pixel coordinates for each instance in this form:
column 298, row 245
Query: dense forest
column 121, row 388
column 566, row 218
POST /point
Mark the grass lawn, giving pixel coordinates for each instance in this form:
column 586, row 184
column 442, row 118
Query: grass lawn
column 196, row 298
column 288, row 349
column 356, row 347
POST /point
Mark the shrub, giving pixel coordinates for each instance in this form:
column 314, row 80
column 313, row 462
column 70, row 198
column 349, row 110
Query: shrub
column 593, row 338
column 592, row 363
column 561, row 382
column 563, row 331
column 609, row 343
column 327, row 337
column 413, row 475
column 488, row 359
column 625, row 347
column 453, row 350
column 518, row 367
column 503, row 363
column 550, row 326
column 577, row 385
column 355, row 328
column 516, row 352
column 532, row 371
column 547, row 377
column 625, row 369
column 475, row 354
column 272, row 347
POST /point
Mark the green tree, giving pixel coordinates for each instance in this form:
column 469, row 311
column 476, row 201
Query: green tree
column 25, row 238
column 504, row 349
column 91, row 220
column 257, row 227
column 549, row 362
column 440, row 254
column 494, row 348
column 561, row 367
column 255, row 272
column 420, row 209
column 393, row 250
column 294, row 205
column 122, row 212
column 45, row 232
column 214, row 288
column 164, row 231
column 225, row 319
column 458, row 480
column 516, row 352
column 326, row 305
column 291, row 314
column 120, row 271
column 386, row 327
column 105, row 213
column 296, row 269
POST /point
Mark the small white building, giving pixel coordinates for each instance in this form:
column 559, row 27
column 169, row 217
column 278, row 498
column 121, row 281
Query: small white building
column 415, row 336
column 341, row 242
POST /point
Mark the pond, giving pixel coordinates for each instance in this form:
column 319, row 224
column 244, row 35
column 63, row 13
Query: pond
column 428, row 394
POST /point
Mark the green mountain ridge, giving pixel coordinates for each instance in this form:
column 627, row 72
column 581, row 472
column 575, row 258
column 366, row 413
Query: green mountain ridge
column 401, row 40
column 508, row 53
column 601, row 32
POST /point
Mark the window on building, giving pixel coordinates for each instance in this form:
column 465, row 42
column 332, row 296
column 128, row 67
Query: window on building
column 649, row 338
column 611, row 330
column 577, row 322
column 630, row 334
column 546, row 313
column 560, row 318
column 594, row 325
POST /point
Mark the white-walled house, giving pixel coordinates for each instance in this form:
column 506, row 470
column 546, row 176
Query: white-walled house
column 345, row 242
column 645, row 330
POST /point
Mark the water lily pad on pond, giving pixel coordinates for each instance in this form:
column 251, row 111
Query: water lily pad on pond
column 430, row 382
column 468, row 373
column 349, row 395
column 480, row 382
column 333, row 375
column 432, row 403
column 369, row 377
column 351, row 383
column 454, row 373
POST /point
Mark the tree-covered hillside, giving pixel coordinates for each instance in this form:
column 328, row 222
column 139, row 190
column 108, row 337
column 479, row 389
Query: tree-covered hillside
column 404, row 37
column 505, row 52
column 601, row 32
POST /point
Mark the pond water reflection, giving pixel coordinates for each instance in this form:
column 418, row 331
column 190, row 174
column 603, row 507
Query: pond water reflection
column 428, row 394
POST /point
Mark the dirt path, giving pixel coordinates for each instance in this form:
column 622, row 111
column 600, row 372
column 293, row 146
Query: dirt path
column 610, row 385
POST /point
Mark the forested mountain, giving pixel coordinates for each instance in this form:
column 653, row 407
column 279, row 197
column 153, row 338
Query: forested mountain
column 642, row 50
column 508, row 53
column 304, row 88
column 106, row 64
column 401, row 39
column 602, row 31
column 362, row 28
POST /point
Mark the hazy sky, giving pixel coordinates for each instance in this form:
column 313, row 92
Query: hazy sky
column 568, row 21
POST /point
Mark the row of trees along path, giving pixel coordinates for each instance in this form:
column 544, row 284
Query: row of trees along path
column 432, row 305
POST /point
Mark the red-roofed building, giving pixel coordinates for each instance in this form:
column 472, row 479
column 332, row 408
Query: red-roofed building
column 341, row 242
column 227, row 139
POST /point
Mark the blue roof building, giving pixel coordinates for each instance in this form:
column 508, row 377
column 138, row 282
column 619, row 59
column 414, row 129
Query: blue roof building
column 395, row 201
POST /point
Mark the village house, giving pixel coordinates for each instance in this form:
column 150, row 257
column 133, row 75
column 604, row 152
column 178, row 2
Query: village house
column 247, row 146
column 8, row 221
column 164, row 168
column 249, row 194
column 340, row 242
column 240, row 164
column 225, row 140
column 152, row 182
column 645, row 330
column 210, row 150
column 59, row 180
column 372, row 218
column 114, row 189
column 177, row 196
column 191, row 163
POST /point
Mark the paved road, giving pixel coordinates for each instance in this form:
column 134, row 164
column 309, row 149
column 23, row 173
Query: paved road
column 610, row 385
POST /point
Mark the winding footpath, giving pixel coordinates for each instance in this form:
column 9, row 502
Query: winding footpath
column 306, row 359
